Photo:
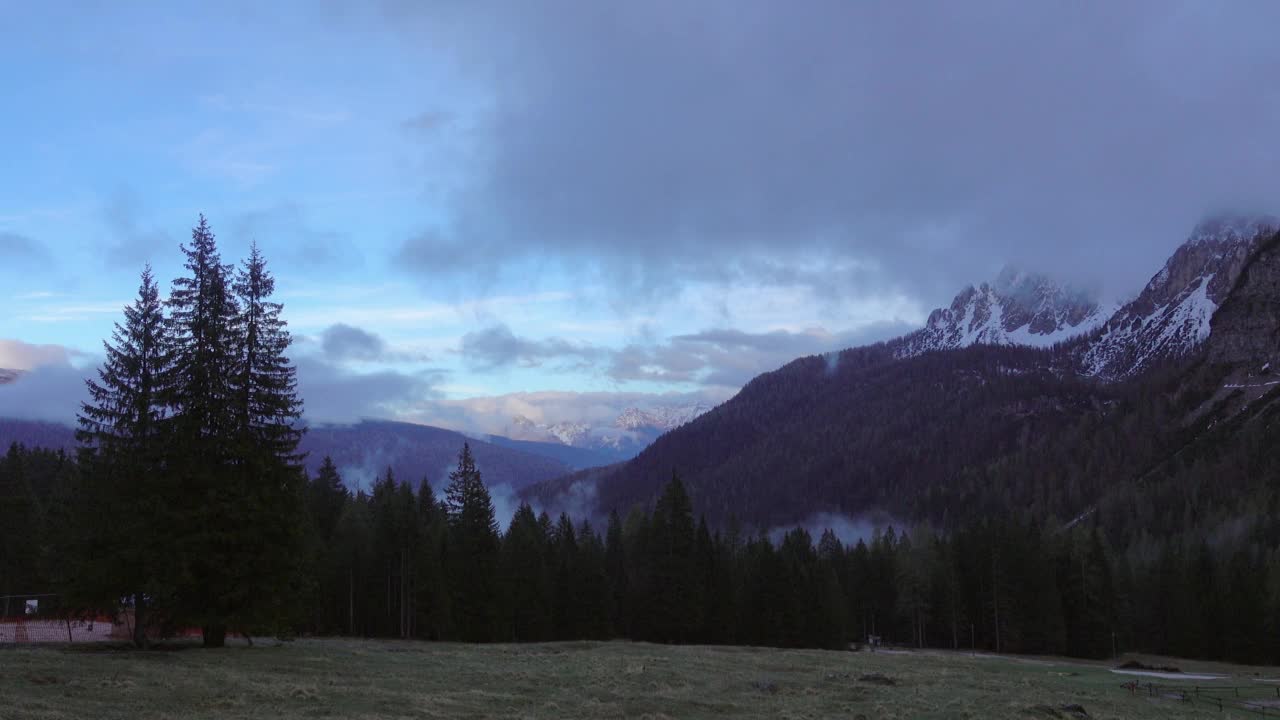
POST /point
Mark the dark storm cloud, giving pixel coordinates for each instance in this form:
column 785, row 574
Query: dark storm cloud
column 22, row 250
column 932, row 141
column 496, row 346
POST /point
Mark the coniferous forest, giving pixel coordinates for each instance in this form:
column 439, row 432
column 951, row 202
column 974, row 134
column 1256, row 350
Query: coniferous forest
column 187, row 504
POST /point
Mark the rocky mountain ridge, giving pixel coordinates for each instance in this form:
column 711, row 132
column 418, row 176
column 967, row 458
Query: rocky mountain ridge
column 1017, row 308
column 629, row 433
column 1173, row 313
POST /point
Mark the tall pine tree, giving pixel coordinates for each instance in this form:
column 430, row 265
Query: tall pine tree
column 118, row 550
column 472, row 551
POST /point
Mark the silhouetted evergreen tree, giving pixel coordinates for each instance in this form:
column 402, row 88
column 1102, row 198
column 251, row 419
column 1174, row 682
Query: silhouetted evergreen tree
column 116, row 549
column 472, row 552
column 527, row 604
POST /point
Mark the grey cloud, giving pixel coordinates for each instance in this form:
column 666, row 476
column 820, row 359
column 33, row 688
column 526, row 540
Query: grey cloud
column 345, row 342
column 19, row 355
column 289, row 225
column 716, row 357
column 496, row 346
column 18, row 250
column 132, row 242
column 332, row 394
column 51, row 393
column 51, row 389
column 933, row 140
column 729, row 358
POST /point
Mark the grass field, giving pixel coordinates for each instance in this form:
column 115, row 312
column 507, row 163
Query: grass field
column 404, row 679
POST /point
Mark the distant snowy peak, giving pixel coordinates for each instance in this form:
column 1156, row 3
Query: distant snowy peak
column 570, row 433
column 632, row 429
column 660, row 418
column 1018, row 308
column 1171, row 315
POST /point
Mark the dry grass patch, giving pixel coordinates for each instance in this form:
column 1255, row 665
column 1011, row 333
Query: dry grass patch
column 339, row 678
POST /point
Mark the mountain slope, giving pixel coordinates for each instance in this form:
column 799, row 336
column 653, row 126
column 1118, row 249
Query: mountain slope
column 363, row 452
column 577, row 458
column 875, row 431
column 1172, row 314
column 8, row 376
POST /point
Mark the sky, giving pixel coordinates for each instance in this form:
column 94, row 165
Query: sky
column 560, row 209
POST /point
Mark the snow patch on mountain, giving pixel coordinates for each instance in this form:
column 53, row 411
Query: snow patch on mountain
column 1018, row 308
column 660, row 418
column 631, row 431
column 1171, row 316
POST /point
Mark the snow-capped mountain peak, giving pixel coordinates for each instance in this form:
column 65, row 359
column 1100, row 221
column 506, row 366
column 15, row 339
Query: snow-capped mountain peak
column 1171, row 315
column 628, row 433
column 660, row 418
column 1017, row 308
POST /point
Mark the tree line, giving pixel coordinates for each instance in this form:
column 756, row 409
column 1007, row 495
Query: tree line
column 403, row 562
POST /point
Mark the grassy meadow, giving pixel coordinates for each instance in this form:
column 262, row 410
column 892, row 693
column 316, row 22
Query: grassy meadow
column 341, row 678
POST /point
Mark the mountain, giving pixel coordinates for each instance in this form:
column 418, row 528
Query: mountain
column 8, row 376
column 577, row 458
column 661, row 419
column 631, row 431
column 1171, row 316
column 1018, row 308
column 1175, row 389
column 365, row 450
column 33, row 433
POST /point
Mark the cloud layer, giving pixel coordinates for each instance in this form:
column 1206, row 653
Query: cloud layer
column 927, row 143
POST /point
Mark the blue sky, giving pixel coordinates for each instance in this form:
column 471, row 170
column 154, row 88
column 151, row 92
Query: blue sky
column 605, row 204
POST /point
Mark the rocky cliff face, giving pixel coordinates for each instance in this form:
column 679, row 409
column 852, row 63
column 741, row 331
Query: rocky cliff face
column 1246, row 328
column 1172, row 314
column 1018, row 308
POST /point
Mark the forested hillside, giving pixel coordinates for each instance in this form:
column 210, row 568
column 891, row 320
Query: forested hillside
column 365, row 450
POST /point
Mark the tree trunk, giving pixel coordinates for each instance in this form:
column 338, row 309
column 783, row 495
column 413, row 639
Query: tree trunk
column 139, row 621
column 215, row 635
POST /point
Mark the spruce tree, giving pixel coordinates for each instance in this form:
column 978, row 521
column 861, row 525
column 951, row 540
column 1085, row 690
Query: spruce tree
column 117, row 550
column 236, row 530
column 431, row 601
column 673, row 606
column 526, row 593
column 199, row 382
column 472, row 550
column 267, row 404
